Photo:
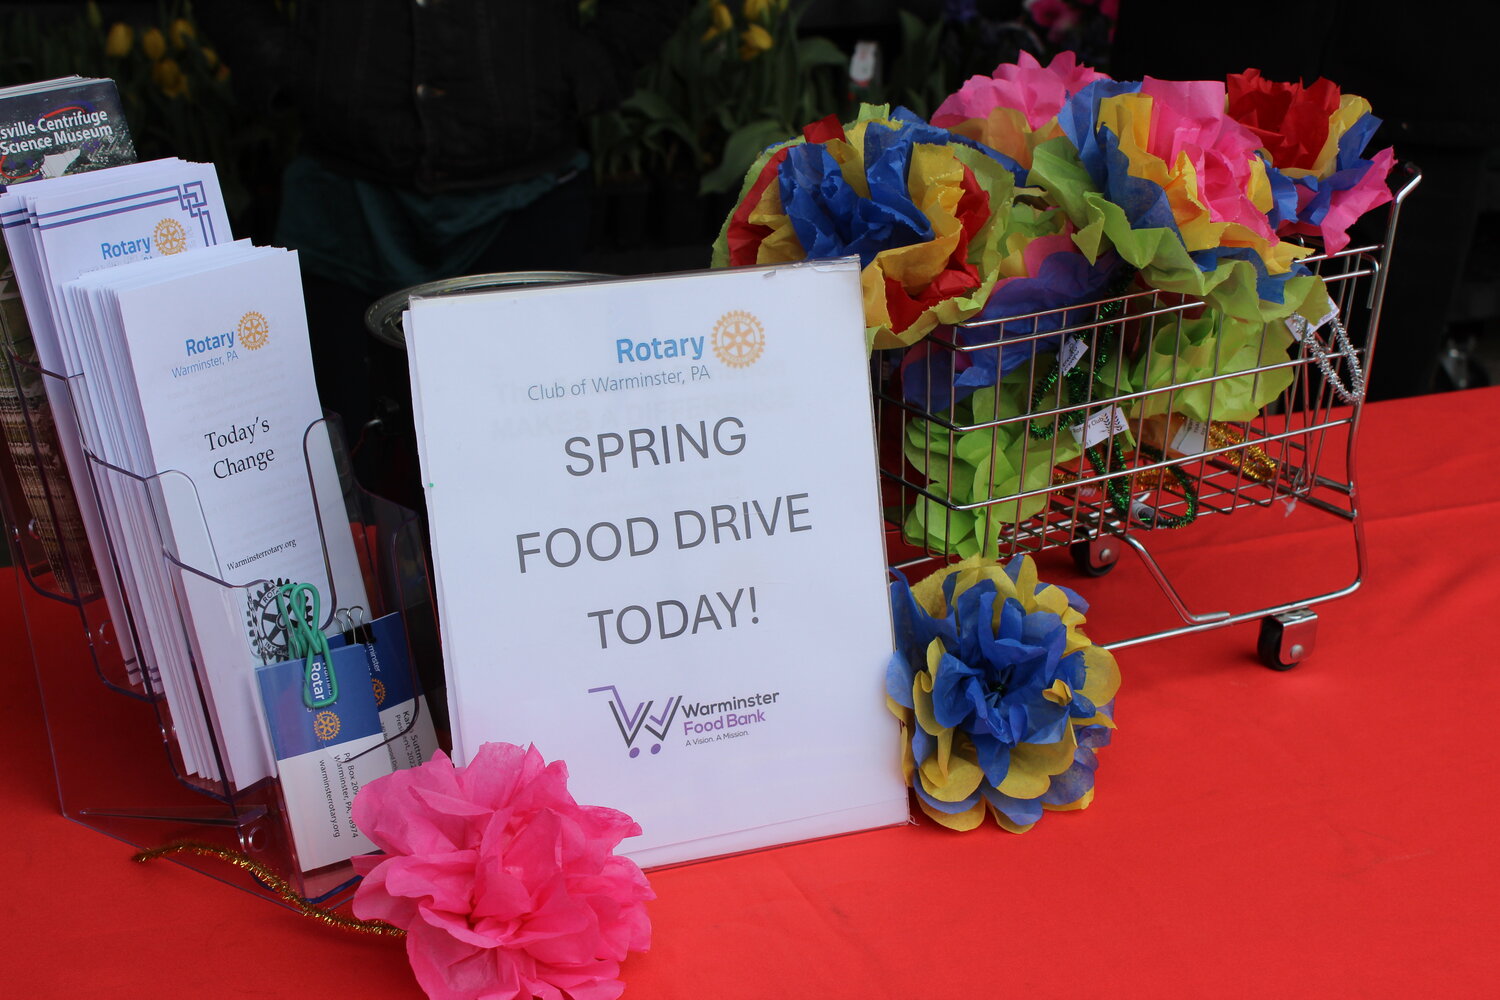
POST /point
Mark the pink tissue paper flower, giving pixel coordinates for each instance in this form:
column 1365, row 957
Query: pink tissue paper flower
column 506, row 887
column 1037, row 91
column 1189, row 127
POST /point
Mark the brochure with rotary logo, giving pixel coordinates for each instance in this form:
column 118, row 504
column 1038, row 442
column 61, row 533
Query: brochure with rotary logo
column 198, row 376
column 659, row 549
column 96, row 220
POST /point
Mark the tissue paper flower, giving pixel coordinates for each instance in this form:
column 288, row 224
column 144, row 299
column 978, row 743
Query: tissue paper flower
column 1016, row 107
column 921, row 208
column 1042, row 269
column 1316, row 137
column 1204, row 349
column 1002, row 699
column 1042, row 272
column 1290, row 120
column 974, row 474
column 1159, row 171
column 505, row 885
column 973, row 468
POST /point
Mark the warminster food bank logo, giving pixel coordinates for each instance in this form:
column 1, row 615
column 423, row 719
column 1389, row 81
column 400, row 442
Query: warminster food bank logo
column 739, row 339
column 632, row 721
column 701, row 722
column 169, row 237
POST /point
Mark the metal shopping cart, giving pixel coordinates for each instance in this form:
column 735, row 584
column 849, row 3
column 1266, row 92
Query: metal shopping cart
column 1077, row 446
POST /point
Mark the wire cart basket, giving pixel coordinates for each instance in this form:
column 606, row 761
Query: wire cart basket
column 1136, row 413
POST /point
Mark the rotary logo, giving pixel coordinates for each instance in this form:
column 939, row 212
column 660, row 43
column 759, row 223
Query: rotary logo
column 254, row 331
column 264, row 623
column 379, row 687
column 326, row 725
column 739, row 339
column 169, row 237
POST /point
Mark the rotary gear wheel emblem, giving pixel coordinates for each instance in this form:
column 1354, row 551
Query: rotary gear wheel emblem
column 263, row 622
column 169, row 237
column 379, row 687
column 254, row 331
column 739, row 339
column 326, row 725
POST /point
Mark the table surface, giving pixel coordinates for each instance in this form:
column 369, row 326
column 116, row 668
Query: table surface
column 1323, row 832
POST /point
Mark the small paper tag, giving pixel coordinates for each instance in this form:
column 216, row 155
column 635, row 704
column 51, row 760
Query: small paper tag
column 1068, row 354
column 863, row 63
column 396, row 696
column 1191, row 437
column 318, row 755
column 1302, row 329
column 1101, row 426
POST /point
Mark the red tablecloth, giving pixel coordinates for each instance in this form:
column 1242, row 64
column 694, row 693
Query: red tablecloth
column 1326, row 832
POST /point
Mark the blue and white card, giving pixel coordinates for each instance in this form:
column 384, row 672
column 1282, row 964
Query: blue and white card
column 324, row 755
column 404, row 717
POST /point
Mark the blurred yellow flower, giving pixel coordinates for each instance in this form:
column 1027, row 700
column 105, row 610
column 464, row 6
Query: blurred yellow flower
column 755, row 10
column 169, row 77
column 210, row 57
column 754, row 40
column 182, row 31
column 723, row 20
column 121, row 37
column 153, row 44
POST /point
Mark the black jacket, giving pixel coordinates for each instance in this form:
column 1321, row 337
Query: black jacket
column 440, row 95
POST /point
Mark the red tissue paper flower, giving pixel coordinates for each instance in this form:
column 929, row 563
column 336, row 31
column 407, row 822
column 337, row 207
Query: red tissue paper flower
column 1315, row 136
column 1290, row 120
column 506, row 887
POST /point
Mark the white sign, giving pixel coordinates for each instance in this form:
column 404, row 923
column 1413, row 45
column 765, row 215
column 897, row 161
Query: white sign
column 658, row 547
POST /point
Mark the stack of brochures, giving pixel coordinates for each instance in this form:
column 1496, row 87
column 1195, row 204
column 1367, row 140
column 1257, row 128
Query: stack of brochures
column 185, row 360
column 56, row 229
column 49, row 129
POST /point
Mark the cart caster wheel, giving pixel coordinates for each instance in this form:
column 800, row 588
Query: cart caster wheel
column 1096, row 556
column 1287, row 639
